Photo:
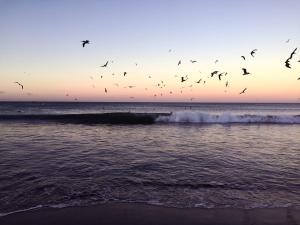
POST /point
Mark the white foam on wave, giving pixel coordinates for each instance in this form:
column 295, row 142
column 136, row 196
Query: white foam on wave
column 224, row 118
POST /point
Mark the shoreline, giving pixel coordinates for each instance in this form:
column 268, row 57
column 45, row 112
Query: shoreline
column 142, row 214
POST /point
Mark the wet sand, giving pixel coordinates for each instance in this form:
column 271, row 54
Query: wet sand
column 134, row 214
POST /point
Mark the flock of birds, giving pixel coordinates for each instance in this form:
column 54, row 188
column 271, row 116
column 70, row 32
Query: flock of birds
column 216, row 73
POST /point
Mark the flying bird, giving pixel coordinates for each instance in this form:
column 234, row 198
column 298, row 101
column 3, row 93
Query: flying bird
column 21, row 85
column 226, row 84
column 243, row 57
column 170, row 50
column 105, row 65
column 105, row 90
column 124, row 74
column 198, row 82
column 193, row 61
column 287, row 62
column 85, row 42
column 245, row 72
column 221, row 74
column 287, row 41
column 130, row 86
column 183, row 79
column 243, row 91
column 213, row 73
column 179, row 62
column 298, row 78
column 253, row 52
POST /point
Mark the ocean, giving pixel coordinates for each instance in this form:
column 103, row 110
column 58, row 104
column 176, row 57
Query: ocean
column 185, row 155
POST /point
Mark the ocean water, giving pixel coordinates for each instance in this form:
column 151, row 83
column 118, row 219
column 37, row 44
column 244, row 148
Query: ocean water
column 185, row 154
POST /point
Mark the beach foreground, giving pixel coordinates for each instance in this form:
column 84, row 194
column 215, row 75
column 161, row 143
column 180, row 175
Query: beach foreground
column 124, row 213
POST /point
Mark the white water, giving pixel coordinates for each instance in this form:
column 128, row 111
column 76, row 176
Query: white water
column 224, row 118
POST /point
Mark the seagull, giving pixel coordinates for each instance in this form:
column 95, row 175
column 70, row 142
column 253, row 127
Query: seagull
column 243, row 57
column 198, row 81
column 287, row 62
column 253, row 52
column 19, row 85
column 182, row 78
column 213, row 73
column 124, row 74
column 179, row 62
column 105, row 90
column 85, row 42
column 243, row 91
column 221, row 74
column 193, row 61
column 105, row 65
column 245, row 72
column 226, row 84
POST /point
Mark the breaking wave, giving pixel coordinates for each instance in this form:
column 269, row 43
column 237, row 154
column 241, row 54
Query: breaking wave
column 226, row 118
column 151, row 118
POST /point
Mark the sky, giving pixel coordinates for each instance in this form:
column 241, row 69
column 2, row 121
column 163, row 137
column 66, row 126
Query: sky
column 40, row 47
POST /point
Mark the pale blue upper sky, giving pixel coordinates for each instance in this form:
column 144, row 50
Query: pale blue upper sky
column 39, row 36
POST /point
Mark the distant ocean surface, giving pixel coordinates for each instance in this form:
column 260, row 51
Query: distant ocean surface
column 172, row 154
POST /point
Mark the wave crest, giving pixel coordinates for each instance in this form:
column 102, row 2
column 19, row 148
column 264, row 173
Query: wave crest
column 224, row 118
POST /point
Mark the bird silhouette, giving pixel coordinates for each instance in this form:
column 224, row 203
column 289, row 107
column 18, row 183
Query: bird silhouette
column 245, row 72
column 21, row 85
column 243, row 91
column 183, row 79
column 105, row 90
column 85, row 42
column 226, row 84
column 193, row 61
column 221, row 74
column 130, row 86
column 253, row 52
column 124, row 74
column 216, row 61
column 243, row 57
column 287, row 62
column 198, row 81
column 298, row 78
column 287, row 41
column 214, row 73
column 105, row 65
column 179, row 62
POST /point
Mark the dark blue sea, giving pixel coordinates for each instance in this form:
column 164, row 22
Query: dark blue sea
column 170, row 154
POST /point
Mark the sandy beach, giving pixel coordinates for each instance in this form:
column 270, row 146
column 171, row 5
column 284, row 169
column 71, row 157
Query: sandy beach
column 133, row 214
